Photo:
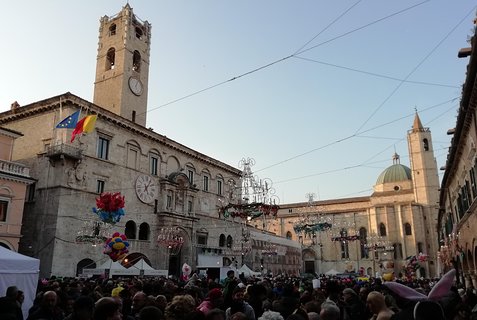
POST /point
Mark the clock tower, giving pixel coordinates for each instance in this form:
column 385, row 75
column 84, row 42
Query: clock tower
column 122, row 65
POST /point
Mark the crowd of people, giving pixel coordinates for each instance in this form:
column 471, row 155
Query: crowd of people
column 234, row 298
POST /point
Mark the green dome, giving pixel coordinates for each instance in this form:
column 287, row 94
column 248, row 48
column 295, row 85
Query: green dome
column 396, row 172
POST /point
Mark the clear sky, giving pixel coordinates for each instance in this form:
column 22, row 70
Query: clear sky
column 324, row 120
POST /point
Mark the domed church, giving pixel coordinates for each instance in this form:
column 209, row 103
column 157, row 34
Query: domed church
column 391, row 232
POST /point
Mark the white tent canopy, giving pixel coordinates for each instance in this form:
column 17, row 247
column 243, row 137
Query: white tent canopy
column 248, row 272
column 117, row 269
column 331, row 272
column 20, row 271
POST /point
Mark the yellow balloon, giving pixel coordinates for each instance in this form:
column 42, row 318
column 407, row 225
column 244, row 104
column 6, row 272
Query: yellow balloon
column 388, row 276
column 118, row 246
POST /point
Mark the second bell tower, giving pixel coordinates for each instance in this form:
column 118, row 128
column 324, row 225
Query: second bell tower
column 122, row 65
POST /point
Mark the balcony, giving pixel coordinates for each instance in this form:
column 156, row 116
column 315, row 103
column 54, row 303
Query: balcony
column 14, row 168
column 62, row 151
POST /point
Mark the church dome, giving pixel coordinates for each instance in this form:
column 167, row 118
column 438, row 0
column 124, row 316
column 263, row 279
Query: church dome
column 395, row 173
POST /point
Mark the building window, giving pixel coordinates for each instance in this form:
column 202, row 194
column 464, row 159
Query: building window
column 130, row 230
column 110, row 57
column 425, row 144
column 103, row 148
column 153, row 164
column 344, row 245
column 136, row 61
column 144, row 231
column 100, row 186
column 222, row 240
column 289, row 235
column 363, row 235
column 3, row 210
column 169, row 201
column 219, row 187
column 112, row 29
column 382, row 230
column 206, row 183
column 191, row 176
column 133, row 116
column 420, row 247
column 189, row 206
column 30, row 192
column 138, row 32
column 132, row 157
column 407, row 229
column 229, row 241
column 202, row 239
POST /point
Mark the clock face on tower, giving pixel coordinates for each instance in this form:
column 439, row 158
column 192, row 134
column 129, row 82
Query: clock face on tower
column 135, row 85
column 146, row 188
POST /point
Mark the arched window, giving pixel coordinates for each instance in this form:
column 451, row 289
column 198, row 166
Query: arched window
column 136, row 61
column 229, row 241
column 344, row 245
column 407, row 229
column 222, row 240
column 144, row 231
column 363, row 235
column 130, row 231
column 110, row 58
column 382, row 230
column 84, row 264
column 138, row 32
column 112, row 29
column 289, row 235
column 425, row 144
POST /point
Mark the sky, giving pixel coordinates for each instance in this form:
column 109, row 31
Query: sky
column 320, row 94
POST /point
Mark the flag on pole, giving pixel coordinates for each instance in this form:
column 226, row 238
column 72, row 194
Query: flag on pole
column 84, row 125
column 69, row 122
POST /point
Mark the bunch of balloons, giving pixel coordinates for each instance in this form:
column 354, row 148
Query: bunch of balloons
column 116, row 247
column 110, row 207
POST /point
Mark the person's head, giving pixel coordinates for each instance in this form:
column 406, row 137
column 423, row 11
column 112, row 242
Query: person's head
column 215, row 314
column 106, row 309
column 271, row 315
column 139, row 300
column 238, row 294
column 230, row 274
column 12, row 292
column 329, row 311
column 375, row 302
column 349, row 294
column 363, row 293
column 49, row 299
column 161, row 301
column 313, row 316
column 238, row 316
column 216, row 297
column 83, row 308
column 180, row 306
column 150, row 313
column 20, row 296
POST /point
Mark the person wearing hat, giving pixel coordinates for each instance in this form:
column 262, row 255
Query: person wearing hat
column 239, row 305
column 214, row 299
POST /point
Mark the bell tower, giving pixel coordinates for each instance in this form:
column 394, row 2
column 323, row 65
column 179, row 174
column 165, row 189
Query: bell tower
column 426, row 186
column 122, row 65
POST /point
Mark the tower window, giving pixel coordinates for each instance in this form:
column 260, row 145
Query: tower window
column 138, row 32
column 425, row 143
column 110, row 57
column 136, row 61
column 112, row 29
column 382, row 230
column 407, row 229
column 133, row 116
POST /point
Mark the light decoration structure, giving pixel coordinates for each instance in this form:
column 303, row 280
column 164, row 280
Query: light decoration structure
column 310, row 223
column 252, row 198
column 378, row 243
column 270, row 249
column 344, row 230
column 171, row 238
column 93, row 232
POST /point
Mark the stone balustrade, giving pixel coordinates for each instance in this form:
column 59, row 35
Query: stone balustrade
column 14, row 168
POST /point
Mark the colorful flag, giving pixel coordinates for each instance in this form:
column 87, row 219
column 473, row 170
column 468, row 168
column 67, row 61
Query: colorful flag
column 84, row 125
column 69, row 122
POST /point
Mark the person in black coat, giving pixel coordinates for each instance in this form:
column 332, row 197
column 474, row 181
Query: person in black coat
column 9, row 307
